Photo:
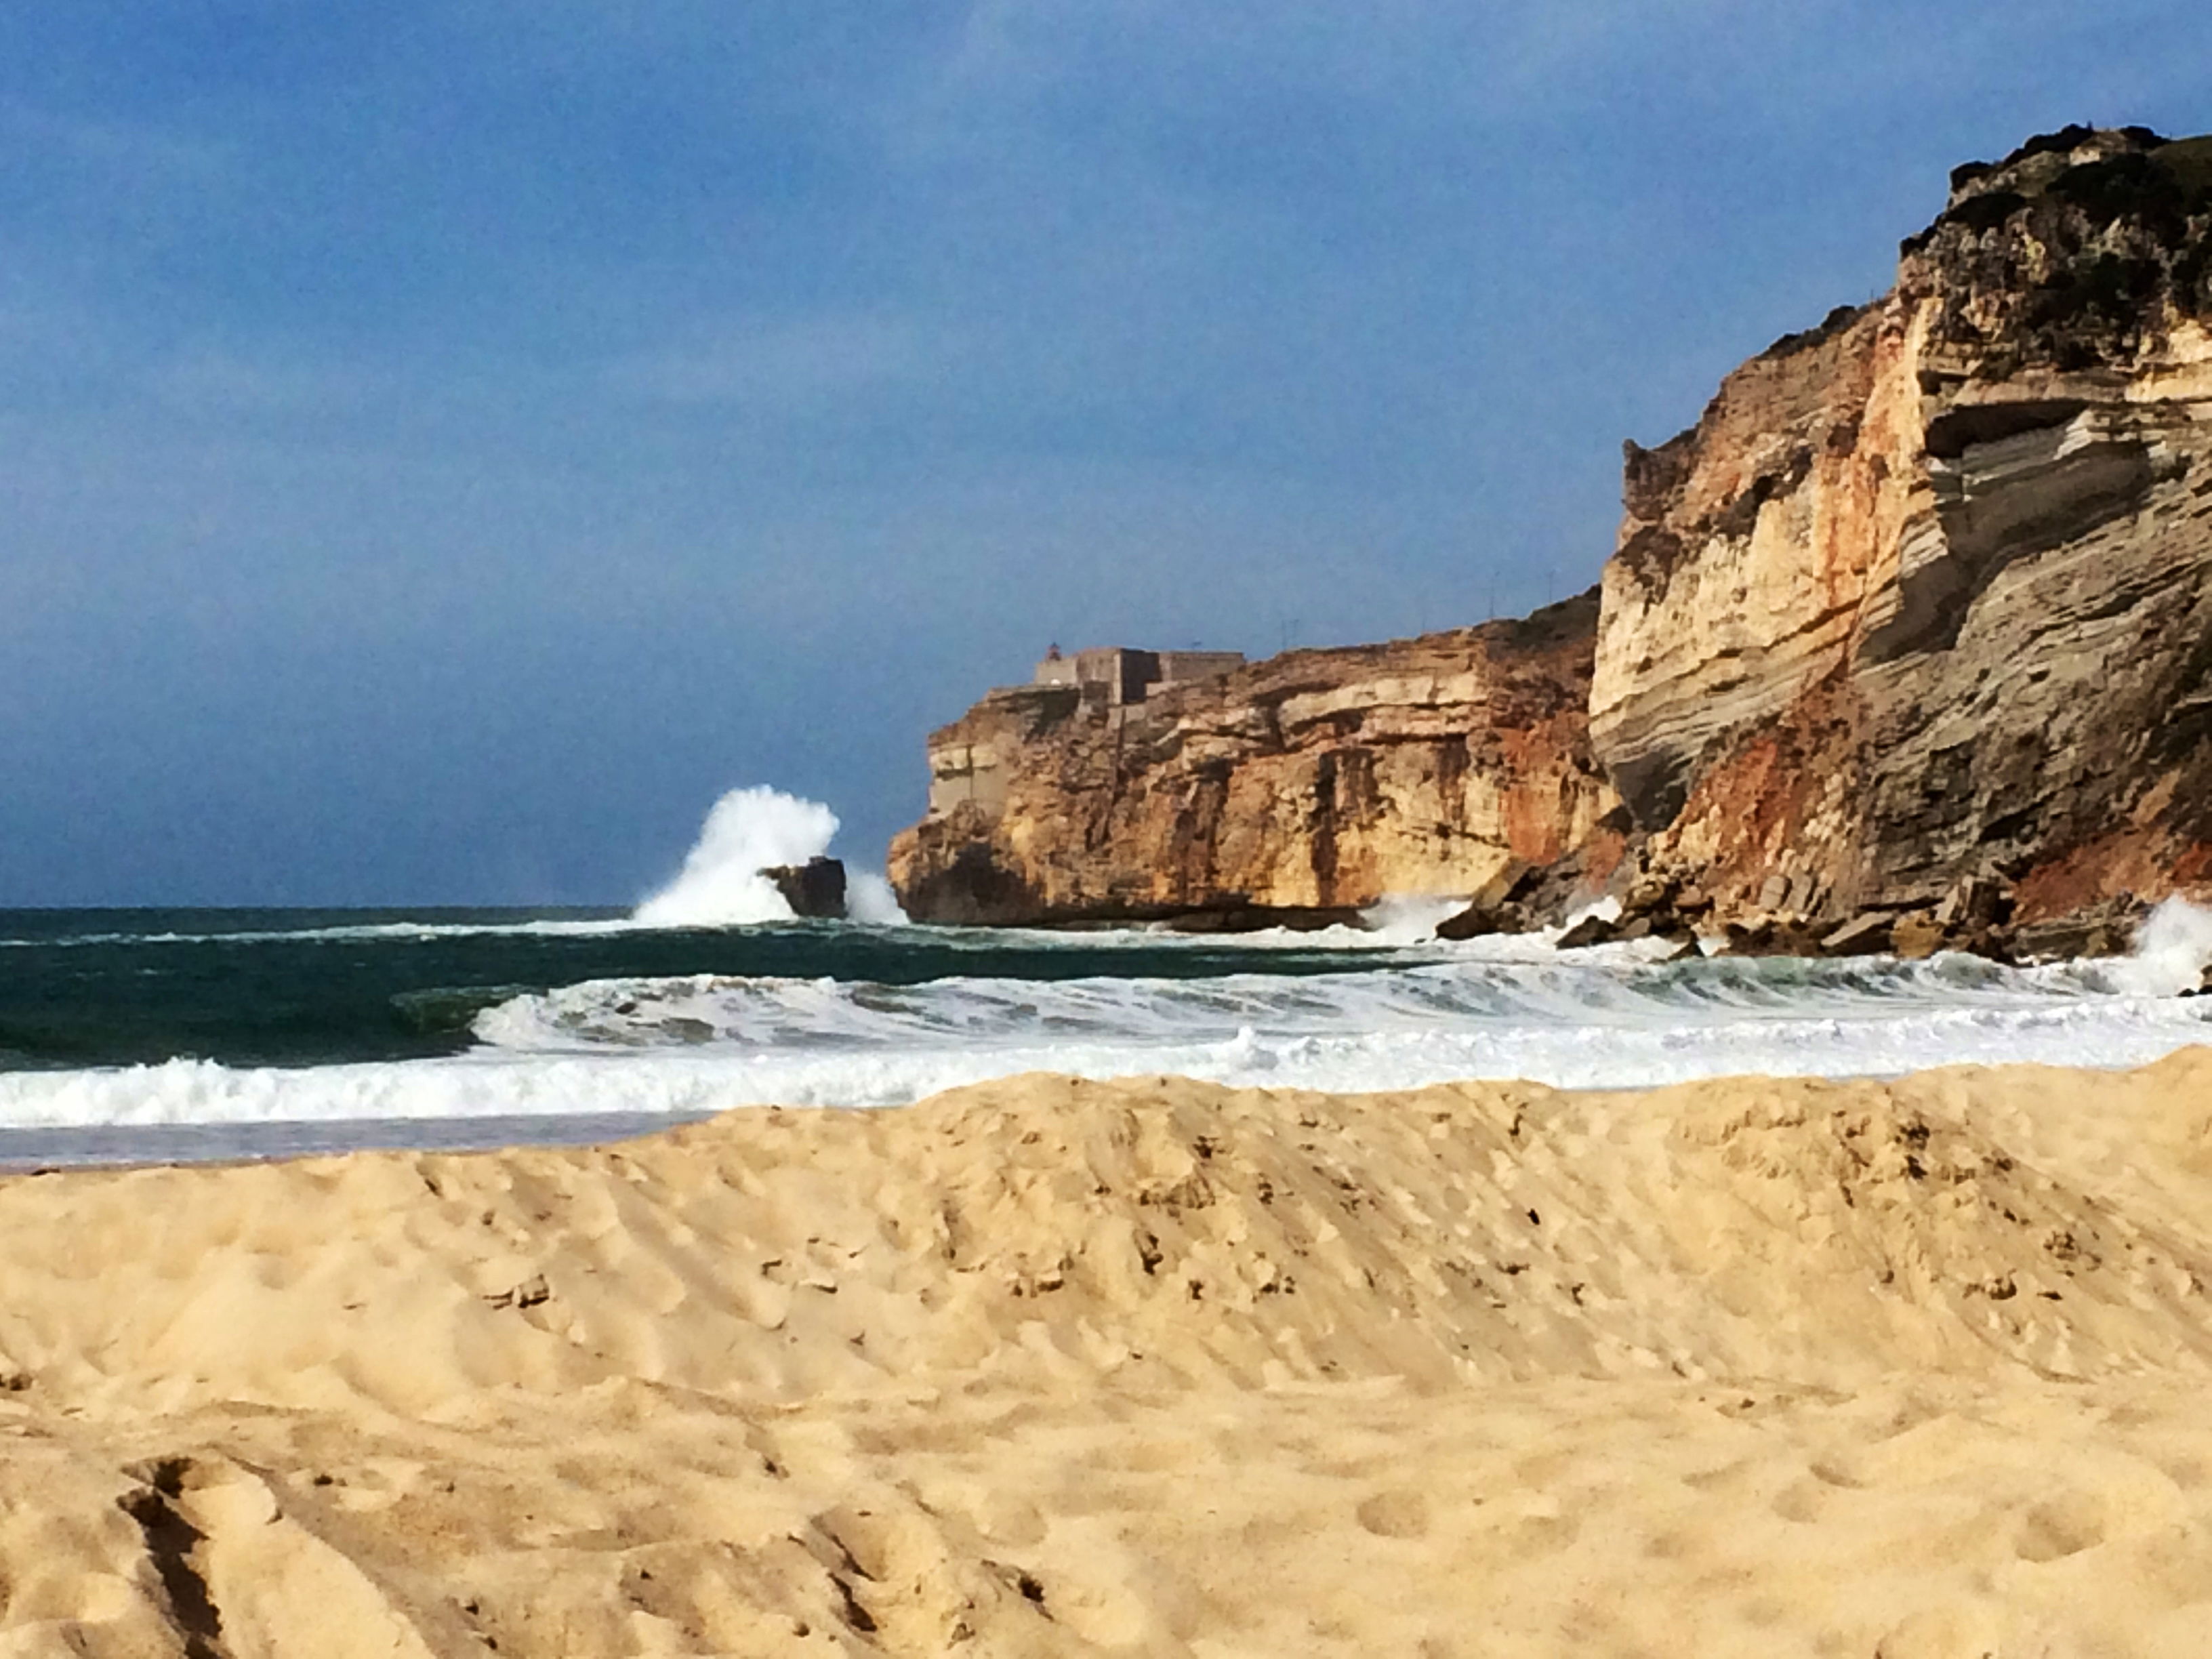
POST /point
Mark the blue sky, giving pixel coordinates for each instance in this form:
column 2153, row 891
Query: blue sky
column 444, row 446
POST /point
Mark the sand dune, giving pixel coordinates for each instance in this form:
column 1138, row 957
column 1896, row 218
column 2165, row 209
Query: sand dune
column 1045, row 1366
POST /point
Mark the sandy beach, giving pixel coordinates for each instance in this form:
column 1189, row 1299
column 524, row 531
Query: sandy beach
column 1051, row 1367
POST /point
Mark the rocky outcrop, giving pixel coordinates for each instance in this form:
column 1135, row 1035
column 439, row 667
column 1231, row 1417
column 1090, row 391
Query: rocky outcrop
column 814, row 890
column 1926, row 595
column 1291, row 790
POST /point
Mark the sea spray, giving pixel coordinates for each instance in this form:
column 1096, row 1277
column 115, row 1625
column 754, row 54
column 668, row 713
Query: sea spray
column 869, row 899
column 747, row 831
column 1407, row 919
column 2173, row 948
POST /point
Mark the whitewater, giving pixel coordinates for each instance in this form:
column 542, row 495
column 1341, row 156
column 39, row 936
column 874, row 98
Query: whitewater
column 136, row 1030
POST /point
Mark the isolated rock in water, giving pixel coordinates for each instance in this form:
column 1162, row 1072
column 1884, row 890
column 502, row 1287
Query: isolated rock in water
column 814, row 889
column 1253, row 919
column 1477, row 922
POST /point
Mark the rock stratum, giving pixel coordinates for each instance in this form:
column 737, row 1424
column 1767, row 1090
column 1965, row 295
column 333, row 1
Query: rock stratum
column 1916, row 622
column 1924, row 594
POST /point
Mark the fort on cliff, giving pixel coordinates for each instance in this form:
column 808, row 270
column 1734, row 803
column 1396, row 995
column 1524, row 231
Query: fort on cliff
column 1915, row 623
column 1102, row 684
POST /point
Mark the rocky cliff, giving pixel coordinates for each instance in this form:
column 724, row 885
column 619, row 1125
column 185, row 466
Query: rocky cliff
column 1292, row 789
column 1917, row 619
column 1927, row 592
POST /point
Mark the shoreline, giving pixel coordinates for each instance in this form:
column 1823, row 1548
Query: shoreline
column 31, row 1151
column 1149, row 1366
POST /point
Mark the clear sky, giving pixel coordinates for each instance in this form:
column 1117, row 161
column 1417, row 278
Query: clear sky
column 444, row 446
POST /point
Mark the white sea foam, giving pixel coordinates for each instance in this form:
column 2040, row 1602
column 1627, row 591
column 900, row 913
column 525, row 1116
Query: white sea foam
column 1502, row 1007
column 702, row 1043
column 1568, row 997
column 341, row 932
column 1404, row 925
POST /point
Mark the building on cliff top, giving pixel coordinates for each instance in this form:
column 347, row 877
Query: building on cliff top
column 1105, row 684
column 1112, row 676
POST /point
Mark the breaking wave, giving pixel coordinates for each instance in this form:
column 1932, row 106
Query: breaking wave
column 1561, row 1021
column 2172, row 951
column 747, row 831
column 893, row 1014
column 701, row 1043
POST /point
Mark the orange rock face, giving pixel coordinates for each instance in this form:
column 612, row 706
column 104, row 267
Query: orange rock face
column 1315, row 783
column 1928, row 591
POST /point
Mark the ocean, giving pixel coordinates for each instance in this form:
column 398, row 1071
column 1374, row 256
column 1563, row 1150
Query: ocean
column 131, row 1036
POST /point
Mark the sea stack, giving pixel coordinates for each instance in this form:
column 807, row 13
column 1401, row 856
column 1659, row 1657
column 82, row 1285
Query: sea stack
column 815, row 890
column 1914, row 623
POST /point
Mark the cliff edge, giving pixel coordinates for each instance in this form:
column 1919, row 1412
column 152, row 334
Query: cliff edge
column 1926, row 594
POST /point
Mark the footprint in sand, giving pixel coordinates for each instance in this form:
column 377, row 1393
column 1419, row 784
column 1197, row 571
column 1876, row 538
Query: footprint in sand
column 2060, row 1527
column 1841, row 1470
column 1804, row 1501
column 1397, row 1513
column 1943, row 1633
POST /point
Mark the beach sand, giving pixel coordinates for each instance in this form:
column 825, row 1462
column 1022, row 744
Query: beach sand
column 1749, row 1367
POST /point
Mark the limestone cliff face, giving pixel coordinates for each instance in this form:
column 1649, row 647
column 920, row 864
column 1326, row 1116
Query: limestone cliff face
column 1928, row 591
column 1314, row 781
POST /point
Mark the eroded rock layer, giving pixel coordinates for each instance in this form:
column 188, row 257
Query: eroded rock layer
column 1302, row 786
column 1927, row 592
